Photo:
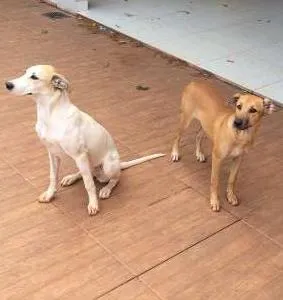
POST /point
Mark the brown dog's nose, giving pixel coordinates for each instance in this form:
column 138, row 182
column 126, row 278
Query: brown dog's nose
column 238, row 123
column 241, row 124
column 9, row 85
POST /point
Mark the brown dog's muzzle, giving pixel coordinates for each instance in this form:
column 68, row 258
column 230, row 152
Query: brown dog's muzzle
column 241, row 124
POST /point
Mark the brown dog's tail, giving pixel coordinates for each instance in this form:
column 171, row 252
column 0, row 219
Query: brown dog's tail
column 128, row 164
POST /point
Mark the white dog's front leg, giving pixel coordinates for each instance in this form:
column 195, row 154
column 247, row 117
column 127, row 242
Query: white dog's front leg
column 83, row 164
column 54, row 162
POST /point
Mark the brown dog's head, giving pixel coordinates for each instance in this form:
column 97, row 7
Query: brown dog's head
column 249, row 110
column 37, row 80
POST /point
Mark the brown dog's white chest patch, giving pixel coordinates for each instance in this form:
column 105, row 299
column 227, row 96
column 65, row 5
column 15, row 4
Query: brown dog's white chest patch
column 237, row 151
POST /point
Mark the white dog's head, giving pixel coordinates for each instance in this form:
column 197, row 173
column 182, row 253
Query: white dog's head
column 37, row 80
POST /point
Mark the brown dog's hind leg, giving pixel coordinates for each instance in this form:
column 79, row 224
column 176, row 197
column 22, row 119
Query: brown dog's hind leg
column 199, row 154
column 231, row 197
column 185, row 120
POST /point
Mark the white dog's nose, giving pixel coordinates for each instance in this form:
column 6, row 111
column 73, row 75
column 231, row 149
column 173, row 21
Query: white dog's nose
column 9, row 85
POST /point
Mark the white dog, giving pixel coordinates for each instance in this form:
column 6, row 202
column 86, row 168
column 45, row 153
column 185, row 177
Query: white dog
column 63, row 128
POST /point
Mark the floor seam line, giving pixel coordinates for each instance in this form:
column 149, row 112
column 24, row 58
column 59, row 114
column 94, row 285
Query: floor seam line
column 151, row 289
column 19, row 173
column 204, row 196
column 124, row 283
column 263, row 234
column 189, row 247
column 90, row 235
column 138, row 276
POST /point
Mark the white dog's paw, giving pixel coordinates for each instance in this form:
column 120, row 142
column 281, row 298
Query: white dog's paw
column 93, row 208
column 69, row 180
column 46, row 196
column 200, row 157
column 174, row 156
column 104, row 193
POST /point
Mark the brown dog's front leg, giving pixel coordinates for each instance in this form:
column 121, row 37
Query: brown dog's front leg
column 214, row 200
column 231, row 197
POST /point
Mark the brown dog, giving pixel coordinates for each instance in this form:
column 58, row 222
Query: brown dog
column 231, row 131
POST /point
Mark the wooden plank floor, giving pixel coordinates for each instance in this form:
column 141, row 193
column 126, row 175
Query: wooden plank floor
column 156, row 237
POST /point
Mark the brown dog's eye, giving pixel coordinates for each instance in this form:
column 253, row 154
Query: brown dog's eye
column 34, row 77
column 239, row 106
column 252, row 110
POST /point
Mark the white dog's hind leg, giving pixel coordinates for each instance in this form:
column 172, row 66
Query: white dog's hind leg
column 100, row 175
column 83, row 164
column 70, row 179
column 54, row 162
column 111, row 170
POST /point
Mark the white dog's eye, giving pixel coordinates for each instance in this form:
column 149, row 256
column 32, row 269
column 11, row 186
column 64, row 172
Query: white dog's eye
column 34, row 77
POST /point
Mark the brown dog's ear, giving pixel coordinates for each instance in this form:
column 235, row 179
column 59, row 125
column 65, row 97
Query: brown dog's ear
column 60, row 82
column 234, row 99
column 269, row 107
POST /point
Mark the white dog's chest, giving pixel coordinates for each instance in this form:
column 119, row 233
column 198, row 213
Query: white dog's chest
column 49, row 138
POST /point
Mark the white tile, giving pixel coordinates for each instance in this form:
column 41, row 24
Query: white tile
column 206, row 33
column 271, row 53
column 273, row 91
column 246, row 70
column 247, row 36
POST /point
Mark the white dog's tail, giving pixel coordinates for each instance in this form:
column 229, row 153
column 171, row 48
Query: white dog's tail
column 128, row 164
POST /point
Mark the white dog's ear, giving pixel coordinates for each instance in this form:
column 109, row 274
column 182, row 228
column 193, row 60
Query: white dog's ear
column 269, row 107
column 60, row 82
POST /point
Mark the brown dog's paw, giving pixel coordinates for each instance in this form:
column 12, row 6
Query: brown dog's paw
column 200, row 157
column 215, row 206
column 232, row 199
column 174, row 156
